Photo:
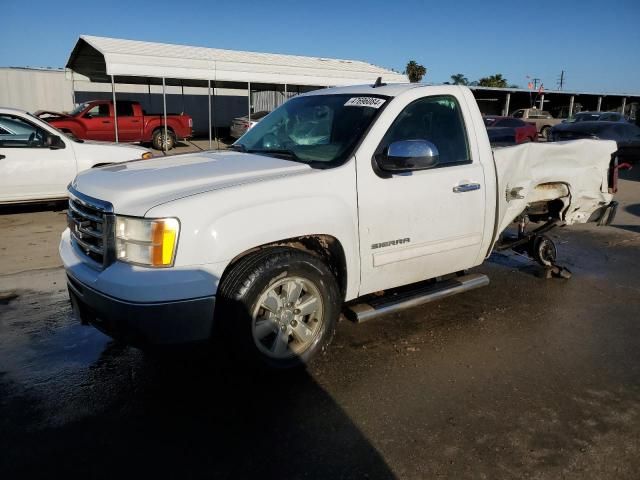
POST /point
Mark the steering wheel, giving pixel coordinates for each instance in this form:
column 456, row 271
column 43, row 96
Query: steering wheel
column 31, row 139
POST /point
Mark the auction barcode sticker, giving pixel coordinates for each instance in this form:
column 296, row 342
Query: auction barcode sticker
column 372, row 102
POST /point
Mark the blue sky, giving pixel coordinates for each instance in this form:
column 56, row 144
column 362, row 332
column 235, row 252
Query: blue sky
column 597, row 43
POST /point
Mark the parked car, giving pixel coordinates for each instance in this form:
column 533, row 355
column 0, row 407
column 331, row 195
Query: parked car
column 542, row 119
column 596, row 117
column 37, row 162
column 625, row 134
column 240, row 125
column 524, row 131
column 336, row 195
column 501, row 136
column 94, row 120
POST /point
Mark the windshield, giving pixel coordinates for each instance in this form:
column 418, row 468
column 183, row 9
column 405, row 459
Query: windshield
column 316, row 129
column 78, row 109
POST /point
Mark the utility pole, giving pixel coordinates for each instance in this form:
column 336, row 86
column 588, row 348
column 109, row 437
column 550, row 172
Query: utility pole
column 561, row 80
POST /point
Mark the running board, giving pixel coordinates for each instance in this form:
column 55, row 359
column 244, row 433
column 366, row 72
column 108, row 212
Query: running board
column 413, row 296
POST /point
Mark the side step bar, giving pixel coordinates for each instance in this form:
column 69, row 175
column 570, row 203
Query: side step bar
column 412, row 296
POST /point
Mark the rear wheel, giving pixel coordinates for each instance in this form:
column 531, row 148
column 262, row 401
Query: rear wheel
column 160, row 143
column 543, row 250
column 278, row 308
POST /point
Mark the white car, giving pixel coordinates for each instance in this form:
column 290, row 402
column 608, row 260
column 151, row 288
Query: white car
column 335, row 195
column 241, row 125
column 37, row 161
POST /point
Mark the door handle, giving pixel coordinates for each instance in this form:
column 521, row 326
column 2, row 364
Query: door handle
column 135, row 121
column 106, row 121
column 466, row 187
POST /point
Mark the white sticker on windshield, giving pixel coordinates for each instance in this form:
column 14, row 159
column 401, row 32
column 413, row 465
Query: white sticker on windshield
column 372, row 102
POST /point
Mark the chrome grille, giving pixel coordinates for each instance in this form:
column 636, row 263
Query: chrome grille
column 91, row 225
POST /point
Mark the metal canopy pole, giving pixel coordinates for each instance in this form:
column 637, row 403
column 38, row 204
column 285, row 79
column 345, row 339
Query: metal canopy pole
column 571, row 101
column 115, row 110
column 506, row 104
column 209, row 103
column 542, row 102
column 249, row 100
column 215, row 125
column 599, row 104
column 624, row 104
column 164, row 110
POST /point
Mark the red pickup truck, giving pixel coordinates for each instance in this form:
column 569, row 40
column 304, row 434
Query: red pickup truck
column 94, row 120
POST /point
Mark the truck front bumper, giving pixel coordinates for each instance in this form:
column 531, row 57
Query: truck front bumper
column 158, row 323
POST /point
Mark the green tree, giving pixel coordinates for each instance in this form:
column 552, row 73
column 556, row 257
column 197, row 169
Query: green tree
column 415, row 71
column 459, row 79
column 496, row 81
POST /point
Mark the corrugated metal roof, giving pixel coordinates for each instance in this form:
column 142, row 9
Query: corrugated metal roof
column 150, row 59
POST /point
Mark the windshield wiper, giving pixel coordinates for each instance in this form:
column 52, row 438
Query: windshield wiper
column 238, row 147
column 288, row 154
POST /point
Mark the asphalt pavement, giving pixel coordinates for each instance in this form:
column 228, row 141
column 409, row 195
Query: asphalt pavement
column 526, row 378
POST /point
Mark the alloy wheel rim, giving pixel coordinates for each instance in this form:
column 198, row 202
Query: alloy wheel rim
column 288, row 318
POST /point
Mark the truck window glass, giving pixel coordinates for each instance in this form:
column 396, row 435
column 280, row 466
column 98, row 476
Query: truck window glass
column 101, row 110
column 124, row 109
column 316, row 129
column 436, row 119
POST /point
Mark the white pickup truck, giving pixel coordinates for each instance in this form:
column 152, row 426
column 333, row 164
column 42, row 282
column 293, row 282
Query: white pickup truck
column 334, row 196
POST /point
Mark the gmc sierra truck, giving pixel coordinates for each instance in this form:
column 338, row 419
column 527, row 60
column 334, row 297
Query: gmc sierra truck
column 95, row 120
column 336, row 197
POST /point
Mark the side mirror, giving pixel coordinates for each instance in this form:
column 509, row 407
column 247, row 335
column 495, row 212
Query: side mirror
column 408, row 155
column 54, row 142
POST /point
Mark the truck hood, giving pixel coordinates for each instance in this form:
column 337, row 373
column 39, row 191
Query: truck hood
column 135, row 187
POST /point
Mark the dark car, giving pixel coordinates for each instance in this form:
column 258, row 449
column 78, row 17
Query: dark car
column 524, row 132
column 501, row 136
column 626, row 134
column 596, row 117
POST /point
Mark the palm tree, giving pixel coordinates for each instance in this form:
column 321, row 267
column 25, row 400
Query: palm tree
column 496, row 81
column 459, row 79
column 415, row 71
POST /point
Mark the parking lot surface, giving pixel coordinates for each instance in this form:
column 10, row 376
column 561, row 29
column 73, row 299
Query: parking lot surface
column 526, row 378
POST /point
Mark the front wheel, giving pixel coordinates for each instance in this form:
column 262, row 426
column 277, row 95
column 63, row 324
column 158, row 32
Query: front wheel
column 160, row 143
column 545, row 132
column 278, row 308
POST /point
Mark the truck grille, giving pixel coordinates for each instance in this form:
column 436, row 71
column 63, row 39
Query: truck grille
column 91, row 227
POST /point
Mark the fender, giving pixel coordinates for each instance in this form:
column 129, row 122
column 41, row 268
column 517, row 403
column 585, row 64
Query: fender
column 218, row 226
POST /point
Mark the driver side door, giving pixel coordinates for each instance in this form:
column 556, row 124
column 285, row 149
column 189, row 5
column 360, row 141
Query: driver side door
column 98, row 121
column 420, row 224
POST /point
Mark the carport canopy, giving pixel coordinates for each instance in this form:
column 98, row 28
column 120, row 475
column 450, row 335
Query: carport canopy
column 132, row 61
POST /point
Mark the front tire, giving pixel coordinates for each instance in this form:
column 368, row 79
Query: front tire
column 278, row 308
column 545, row 132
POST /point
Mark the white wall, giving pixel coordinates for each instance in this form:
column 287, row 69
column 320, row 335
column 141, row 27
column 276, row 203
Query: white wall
column 31, row 90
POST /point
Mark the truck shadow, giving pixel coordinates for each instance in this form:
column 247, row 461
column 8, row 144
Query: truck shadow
column 50, row 206
column 106, row 409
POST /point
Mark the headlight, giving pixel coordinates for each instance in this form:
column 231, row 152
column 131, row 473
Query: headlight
column 147, row 241
column 147, row 155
